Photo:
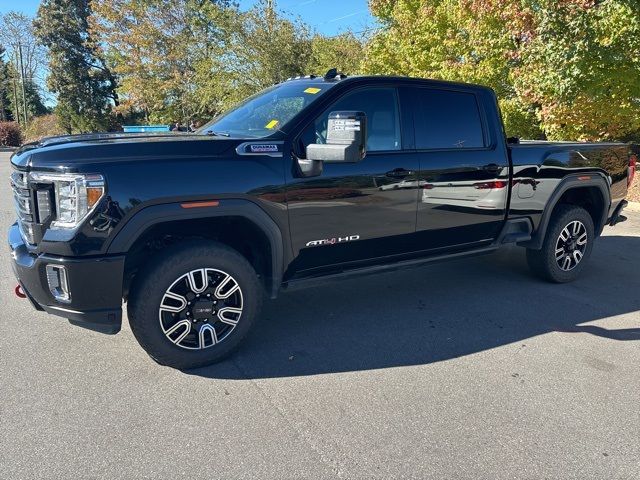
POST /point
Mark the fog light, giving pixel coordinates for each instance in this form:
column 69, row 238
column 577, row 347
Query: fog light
column 58, row 283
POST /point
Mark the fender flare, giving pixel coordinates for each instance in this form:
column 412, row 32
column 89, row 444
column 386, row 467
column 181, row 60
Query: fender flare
column 571, row 182
column 153, row 215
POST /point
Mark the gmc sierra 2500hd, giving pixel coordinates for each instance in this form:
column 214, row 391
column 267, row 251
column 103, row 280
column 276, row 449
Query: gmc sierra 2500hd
column 317, row 177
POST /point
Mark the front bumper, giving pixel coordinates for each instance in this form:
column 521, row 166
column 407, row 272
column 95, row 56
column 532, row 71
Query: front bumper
column 95, row 285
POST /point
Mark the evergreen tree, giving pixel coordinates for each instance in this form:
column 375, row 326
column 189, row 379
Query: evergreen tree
column 15, row 104
column 5, row 85
column 79, row 77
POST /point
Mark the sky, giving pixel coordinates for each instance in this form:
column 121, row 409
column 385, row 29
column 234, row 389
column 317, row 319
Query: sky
column 326, row 16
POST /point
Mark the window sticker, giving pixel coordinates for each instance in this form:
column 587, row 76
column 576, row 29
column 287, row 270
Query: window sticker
column 272, row 124
column 342, row 125
column 312, row 90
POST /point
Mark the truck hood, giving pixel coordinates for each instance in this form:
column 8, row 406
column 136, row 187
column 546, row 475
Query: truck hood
column 66, row 153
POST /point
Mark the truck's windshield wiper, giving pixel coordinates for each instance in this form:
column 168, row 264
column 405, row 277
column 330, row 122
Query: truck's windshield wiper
column 218, row 134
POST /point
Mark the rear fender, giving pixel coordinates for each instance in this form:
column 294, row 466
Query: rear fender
column 568, row 183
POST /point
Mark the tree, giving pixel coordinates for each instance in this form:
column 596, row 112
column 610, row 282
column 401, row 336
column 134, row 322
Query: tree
column 5, row 85
column 344, row 52
column 84, row 86
column 581, row 68
column 457, row 40
column 153, row 47
column 26, row 61
column 258, row 48
column 555, row 65
column 19, row 97
column 16, row 29
column 261, row 47
column 178, row 60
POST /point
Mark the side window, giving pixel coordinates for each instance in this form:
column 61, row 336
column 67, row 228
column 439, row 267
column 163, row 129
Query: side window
column 383, row 119
column 446, row 119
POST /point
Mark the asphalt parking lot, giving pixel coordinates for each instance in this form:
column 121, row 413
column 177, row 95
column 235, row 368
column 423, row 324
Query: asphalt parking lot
column 471, row 369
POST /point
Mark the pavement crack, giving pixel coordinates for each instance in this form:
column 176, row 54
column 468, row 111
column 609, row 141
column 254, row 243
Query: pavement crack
column 328, row 458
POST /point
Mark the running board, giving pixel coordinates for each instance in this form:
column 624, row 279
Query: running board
column 306, row 282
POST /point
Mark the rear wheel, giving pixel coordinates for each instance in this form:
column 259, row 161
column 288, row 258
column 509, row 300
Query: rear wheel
column 195, row 305
column 566, row 247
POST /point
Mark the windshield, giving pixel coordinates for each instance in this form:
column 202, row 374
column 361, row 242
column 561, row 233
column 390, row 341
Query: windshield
column 266, row 112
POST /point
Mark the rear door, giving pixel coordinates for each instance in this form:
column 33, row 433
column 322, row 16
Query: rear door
column 463, row 167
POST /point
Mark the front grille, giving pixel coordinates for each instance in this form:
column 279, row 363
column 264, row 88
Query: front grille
column 23, row 202
column 28, row 208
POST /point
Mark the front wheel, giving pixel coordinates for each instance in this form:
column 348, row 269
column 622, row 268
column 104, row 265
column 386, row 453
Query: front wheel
column 193, row 307
column 567, row 245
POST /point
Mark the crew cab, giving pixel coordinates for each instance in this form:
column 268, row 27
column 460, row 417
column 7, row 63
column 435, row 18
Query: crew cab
column 313, row 179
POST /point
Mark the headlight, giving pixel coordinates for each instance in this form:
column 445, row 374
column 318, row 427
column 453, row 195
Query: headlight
column 75, row 195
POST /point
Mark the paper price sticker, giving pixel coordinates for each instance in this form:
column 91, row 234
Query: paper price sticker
column 341, row 125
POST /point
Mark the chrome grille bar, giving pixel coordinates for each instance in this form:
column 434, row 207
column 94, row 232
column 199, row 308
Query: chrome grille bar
column 23, row 205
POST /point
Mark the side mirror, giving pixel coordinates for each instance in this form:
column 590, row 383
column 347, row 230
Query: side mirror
column 346, row 139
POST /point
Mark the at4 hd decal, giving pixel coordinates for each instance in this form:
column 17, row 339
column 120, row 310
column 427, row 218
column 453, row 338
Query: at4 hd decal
column 333, row 241
column 264, row 148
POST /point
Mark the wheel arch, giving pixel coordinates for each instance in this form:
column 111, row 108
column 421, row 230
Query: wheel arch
column 238, row 212
column 590, row 191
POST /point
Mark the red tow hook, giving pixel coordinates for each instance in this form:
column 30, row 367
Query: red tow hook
column 19, row 292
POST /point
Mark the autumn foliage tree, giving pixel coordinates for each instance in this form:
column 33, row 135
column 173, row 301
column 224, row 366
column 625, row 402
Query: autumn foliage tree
column 581, row 69
column 565, row 68
column 177, row 60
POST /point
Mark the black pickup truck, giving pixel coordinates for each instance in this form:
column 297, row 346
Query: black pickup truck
column 313, row 179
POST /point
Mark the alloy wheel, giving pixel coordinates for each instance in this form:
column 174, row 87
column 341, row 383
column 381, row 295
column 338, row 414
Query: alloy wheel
column 571, row 245
column 201, row 308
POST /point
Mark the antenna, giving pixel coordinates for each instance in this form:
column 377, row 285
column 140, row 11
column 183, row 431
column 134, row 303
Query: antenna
column 334, row 74
column 331, row 74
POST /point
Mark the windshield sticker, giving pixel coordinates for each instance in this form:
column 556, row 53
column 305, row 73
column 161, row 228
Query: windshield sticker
column 312, row 90
column 263, row 148
column 272, row 124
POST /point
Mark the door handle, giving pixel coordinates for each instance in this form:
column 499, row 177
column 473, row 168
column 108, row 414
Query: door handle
column 492, row 168
column 399, row 173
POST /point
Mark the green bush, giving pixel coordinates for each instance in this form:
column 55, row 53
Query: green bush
column 10, row 134
column 43, row 126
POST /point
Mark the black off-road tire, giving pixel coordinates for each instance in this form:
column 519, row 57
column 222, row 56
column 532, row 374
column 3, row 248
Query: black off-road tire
column 152, row 283
column 544, row 263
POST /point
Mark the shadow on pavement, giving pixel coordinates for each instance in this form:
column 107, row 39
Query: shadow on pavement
column 620, row 334
column 435, row 313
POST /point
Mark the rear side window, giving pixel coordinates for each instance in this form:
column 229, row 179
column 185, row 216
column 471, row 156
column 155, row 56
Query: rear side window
column 446, row 119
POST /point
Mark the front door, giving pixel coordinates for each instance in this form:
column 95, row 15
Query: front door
column 355, row 212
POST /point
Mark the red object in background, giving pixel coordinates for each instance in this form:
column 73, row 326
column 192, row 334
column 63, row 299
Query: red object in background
column 633, row 165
